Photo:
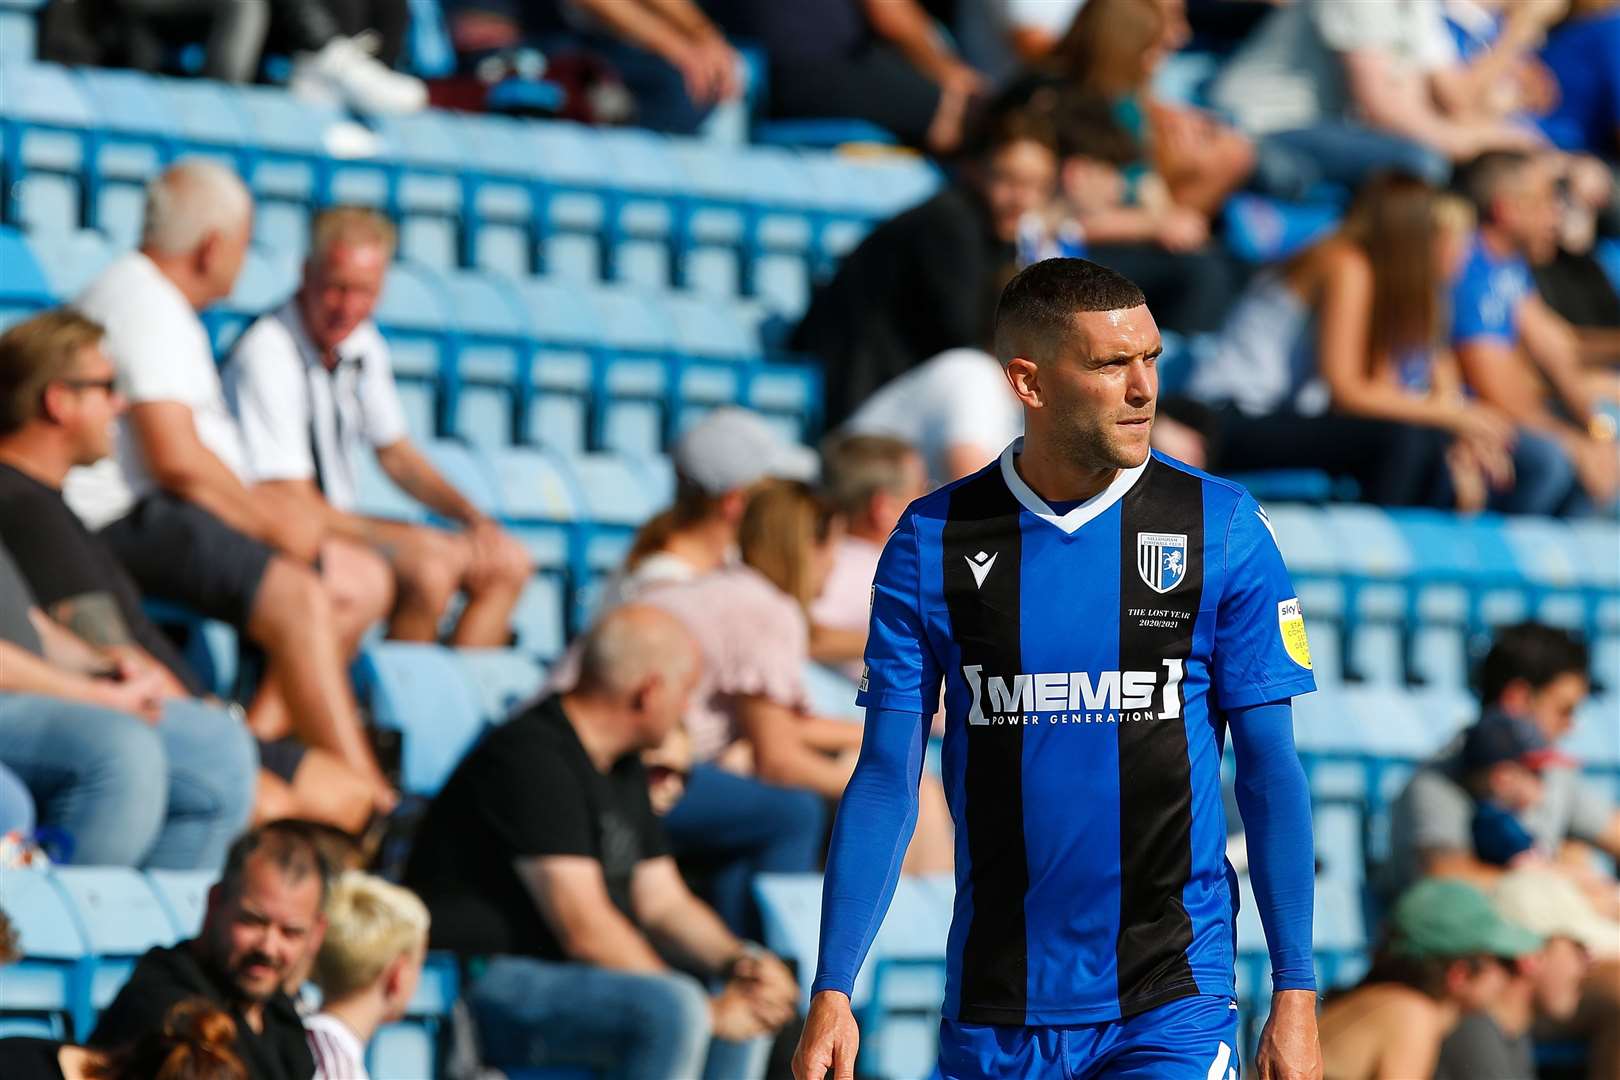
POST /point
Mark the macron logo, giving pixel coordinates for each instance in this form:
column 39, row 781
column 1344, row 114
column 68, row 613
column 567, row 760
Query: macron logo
column 980, row 564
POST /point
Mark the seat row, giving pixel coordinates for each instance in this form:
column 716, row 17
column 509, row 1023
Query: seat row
column 477, row 190
column 498, row 360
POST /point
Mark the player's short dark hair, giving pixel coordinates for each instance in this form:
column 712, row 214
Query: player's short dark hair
column 1481, row 180
column 1038, row 305
column 1531, row 651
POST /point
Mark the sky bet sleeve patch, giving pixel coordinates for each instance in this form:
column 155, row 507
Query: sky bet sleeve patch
column 1291, row 622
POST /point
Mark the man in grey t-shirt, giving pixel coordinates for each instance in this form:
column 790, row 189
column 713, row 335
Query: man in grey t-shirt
column 1538, row 673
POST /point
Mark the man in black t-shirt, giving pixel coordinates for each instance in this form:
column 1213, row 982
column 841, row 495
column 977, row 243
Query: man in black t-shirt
column 543, row 851
column 264, row 917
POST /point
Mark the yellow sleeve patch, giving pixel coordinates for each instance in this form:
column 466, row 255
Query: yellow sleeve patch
column 1291, row 624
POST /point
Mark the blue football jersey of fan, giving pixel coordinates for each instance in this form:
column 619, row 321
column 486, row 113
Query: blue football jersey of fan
column 1088, row 660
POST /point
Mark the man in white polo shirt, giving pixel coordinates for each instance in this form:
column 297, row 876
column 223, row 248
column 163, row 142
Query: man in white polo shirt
column 313, row 387
column 172, row 505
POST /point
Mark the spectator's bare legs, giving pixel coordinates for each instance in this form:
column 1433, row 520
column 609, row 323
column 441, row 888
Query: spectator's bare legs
column 431, row 566
column 361, row 588
column 323, row 789
column 293, row 621
column 933, row 844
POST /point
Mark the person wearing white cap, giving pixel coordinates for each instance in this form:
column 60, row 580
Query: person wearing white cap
column 1568, row 985
column 718, row 461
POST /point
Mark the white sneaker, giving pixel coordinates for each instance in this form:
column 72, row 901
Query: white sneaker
column 343, row 72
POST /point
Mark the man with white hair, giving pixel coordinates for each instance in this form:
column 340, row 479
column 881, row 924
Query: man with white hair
column 172, row 505
column 543, row 853
column 313, row 387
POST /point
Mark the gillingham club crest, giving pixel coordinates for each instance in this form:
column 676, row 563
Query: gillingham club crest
column 1161, row 559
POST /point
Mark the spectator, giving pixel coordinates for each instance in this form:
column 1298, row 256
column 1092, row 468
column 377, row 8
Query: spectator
column 343, row 51
column 194, row 1043
column 313, row 389
column 1534, row 673
column 718, row 463
column 928, row 280
column 870, row 480
column 675, row 63
column 1502, row 758
column 171, row 502
column 262, row 917
column 758, row 746
column 1336, row 360
column 1580, row 52
column 542, row 851
column 1497, row 317
column 368, row 966
column 99, row 720
column 110, row 750
column 1447, row 953
column 61, row 397
column 1335, row 90
column 957, row 409
column 883, row 61
column 147, row 31
column 1493, row 1042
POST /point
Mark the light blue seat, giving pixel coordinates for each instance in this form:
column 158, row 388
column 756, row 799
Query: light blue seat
column 184, row 895
column 502, row 679
column 208, row 116
column 1595, row 739
column 413, row 315
column 122, row 918
column 72, row 261
column 1311, row 552
column 1376, row 560
column 1386, row 723
column 502, row 228
column 419, row 691
column 635, row 382
column 47, row 123
column 1606, row 662
column 565, row 368
column 23, row 286
column 1600, row 556
column 1440, row 656
column 492, row 345
column 1327, row 652
column 135, row 133
column 540, row 619
column 469, row 472
column 1337, row 831
column 38, row 993
column 378, row 496
column 267, row 279
column 18, row 30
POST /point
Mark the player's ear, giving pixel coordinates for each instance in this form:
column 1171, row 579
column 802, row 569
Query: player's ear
column 1024, row 376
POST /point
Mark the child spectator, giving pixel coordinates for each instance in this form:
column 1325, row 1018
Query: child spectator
column 1502, row 759
column 367, row 969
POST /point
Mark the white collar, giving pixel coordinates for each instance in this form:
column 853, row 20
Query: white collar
column 1081, row 514
column 350, row 349
column 348, row 1042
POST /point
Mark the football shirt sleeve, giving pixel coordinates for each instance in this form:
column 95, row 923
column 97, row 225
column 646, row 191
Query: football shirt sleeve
column 901, row 673
column 1261, row 652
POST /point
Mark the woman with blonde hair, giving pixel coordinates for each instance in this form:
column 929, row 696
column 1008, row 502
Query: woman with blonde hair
column 1337, row 360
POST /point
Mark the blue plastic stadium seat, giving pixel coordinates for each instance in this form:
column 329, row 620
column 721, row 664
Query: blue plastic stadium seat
column 1375, row 654
column 184, row 896
column 469, row 471
column 1595, row 740
column 379, row 496
column 1376, row 556
column 267, row 279
column 122, row 918
column 1600, row 556
column 23, row 286
column 1337, row 832
column 134, row 135
column 1440, row 656
column 492, row 341
column 1606, row 662
column 18, row 30
column 42, row 985
column 1264, row 230
column 72, row 260
column 403, row 1048
column 207, row 114
column 1309, row 547
column 640, row 340
column 419, row 691
column 502, row 679
column 540, row 619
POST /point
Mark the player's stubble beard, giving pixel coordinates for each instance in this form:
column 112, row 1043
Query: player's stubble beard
column 1090, row 443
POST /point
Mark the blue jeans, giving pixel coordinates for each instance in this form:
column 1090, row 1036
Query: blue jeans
column 16, row 805
column 627, row 1025
column 1288, row 164
column 1544, row 480
column 169, row 796
column 737, row 826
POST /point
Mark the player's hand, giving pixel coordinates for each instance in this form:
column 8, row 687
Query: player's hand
column 1289, row 1049
column 827, row 1047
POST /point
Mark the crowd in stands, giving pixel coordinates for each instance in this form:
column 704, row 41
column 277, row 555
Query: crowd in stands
column 1449, row 343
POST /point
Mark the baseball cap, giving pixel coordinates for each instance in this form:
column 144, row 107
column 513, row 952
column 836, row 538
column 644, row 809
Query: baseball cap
column 1548, row 903
column 1443, row 919
column 1498, row 737
column 733, row 448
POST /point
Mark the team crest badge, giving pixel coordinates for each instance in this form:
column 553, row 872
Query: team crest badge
column 1161, row 559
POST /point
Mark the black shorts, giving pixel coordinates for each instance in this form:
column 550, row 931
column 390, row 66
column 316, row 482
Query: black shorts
column 281, row 757
column 179, row 552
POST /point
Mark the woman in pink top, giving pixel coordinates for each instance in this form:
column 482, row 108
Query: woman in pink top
column 751, row 731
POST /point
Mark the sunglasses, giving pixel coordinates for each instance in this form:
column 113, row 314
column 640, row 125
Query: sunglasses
column 106, row 386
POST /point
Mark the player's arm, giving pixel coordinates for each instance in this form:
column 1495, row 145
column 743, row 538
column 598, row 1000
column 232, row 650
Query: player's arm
column 879, row 808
